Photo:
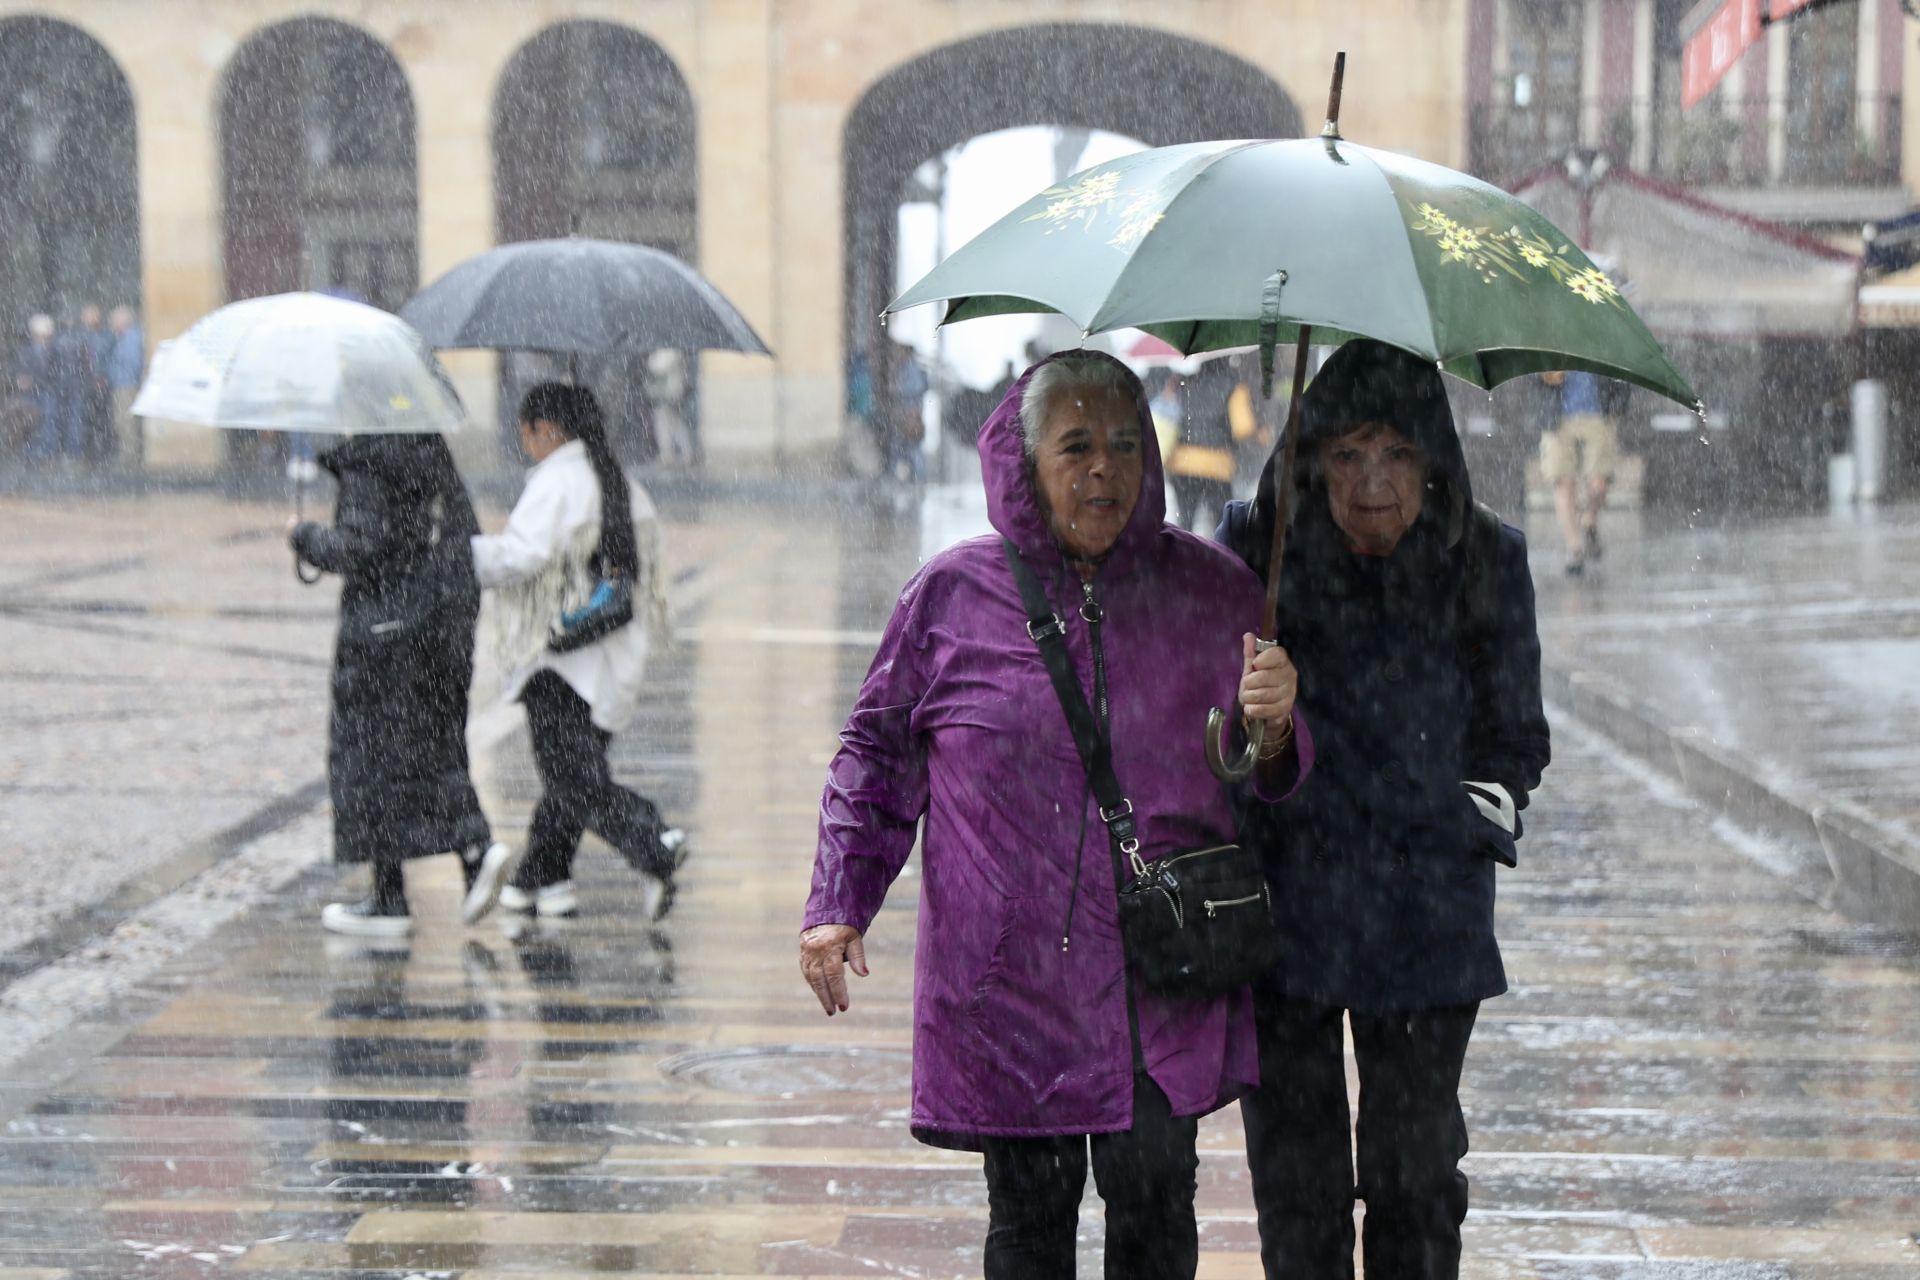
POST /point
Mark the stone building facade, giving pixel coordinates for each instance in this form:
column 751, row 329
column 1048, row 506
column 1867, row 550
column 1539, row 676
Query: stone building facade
column 181, row 153
column 265, row 142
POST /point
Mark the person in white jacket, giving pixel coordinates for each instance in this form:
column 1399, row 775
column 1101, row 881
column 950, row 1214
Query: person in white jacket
column 579, row 521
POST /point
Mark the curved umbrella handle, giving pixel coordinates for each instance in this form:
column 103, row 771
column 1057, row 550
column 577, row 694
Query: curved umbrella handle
column 1218, row 727
column 300, row 567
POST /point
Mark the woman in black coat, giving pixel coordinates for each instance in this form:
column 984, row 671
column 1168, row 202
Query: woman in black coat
column 1409, row 614
column 397, row 740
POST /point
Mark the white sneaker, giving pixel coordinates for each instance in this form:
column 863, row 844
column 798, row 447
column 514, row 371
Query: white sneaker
column 674, row 841
column 656, row 897
column 548, row 902
column 365, row 919
column 484, row 876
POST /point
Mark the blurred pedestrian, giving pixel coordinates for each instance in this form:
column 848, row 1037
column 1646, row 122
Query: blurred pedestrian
column 1166, row 409
column 1033, row 1041
column 1410, row 611
column 33, row 380
column 1202, row 463
column 125, row 363
column 19, row 419
column 579, row 525
column 96, row 340
column 665, row 384
column 1577, row 457
column 397, row 768
column 52, row 368
column 907, row 389
column 866, row 448
column 73, row 390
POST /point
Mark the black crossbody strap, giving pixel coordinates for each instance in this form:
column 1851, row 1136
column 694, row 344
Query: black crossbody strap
column 1096, row 750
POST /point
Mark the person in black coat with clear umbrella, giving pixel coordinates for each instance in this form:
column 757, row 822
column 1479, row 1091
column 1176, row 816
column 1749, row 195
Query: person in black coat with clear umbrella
column 1409, row 613
column 397, row 768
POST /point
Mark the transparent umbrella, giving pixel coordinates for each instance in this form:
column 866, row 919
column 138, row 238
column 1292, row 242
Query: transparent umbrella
column 301, row 362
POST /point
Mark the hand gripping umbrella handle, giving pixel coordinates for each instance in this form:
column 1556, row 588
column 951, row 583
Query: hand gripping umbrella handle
column 300, row 567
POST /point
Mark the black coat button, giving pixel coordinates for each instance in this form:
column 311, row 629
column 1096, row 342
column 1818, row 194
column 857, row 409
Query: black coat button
column 1393, row 772
column 1394, row 672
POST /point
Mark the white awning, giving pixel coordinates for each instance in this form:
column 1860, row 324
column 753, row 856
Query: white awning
column 1698, row 268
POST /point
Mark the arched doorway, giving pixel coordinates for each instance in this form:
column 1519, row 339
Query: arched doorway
column 318, row 175
column 69, row 197
column 1133, row 81
column 593, row 133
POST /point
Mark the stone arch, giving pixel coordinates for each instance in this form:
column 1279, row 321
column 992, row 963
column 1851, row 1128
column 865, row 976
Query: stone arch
column 1152, row 85
column 319, row 177
column 69, row 186
column 593, row 132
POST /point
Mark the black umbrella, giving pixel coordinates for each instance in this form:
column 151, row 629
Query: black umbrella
column 578, row 297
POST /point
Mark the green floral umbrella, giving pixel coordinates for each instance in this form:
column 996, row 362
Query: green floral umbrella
column 1230, row 244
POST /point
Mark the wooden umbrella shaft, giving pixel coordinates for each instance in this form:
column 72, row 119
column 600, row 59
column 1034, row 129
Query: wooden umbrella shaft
column 1283, row 487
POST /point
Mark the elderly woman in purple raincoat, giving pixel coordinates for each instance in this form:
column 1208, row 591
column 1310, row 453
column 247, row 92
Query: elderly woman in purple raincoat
column 1032, row 1042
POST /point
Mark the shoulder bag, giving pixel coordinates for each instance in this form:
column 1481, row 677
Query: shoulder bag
column 1196, row 923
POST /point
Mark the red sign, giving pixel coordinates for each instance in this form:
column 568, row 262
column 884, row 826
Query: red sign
column 1713, row 50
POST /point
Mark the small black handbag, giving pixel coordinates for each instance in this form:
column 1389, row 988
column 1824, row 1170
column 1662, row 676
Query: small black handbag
column 608, row 609
column 1196, row 923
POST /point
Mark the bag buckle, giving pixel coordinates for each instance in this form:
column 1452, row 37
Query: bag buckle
column 1122, row 810
column 1042, row 631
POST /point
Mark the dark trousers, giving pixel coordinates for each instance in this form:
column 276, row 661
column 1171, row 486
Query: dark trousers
column 578, row 791
column 1411, row 1137
column 1146, row 1176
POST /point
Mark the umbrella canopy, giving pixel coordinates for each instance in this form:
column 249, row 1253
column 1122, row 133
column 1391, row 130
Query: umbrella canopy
column 580, row 297
column 301, row 362
column 1226, row 244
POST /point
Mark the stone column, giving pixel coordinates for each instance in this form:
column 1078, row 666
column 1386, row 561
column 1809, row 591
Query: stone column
column 740, row 405
column 174, row 69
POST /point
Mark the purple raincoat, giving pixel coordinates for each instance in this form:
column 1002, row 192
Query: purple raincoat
column 1016, row 1035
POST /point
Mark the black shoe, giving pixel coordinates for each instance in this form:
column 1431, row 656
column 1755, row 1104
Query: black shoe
column 1575, row 566
column 367, row 918
column 1593, row 542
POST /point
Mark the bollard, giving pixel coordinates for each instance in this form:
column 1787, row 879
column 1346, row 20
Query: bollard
column 1869, row 439
column 1840, row 480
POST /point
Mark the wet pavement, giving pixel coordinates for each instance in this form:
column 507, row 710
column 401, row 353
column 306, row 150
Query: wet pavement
column 1699, row 1075
column 1782, row 653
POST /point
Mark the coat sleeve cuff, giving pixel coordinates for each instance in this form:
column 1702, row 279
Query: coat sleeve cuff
column 1280, row 779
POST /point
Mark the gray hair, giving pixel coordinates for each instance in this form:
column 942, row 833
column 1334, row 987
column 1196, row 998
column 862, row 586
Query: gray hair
column 1082, row 371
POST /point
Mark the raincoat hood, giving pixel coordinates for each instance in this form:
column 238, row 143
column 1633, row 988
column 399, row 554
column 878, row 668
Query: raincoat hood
column 1368, row 381
column 1015, row 508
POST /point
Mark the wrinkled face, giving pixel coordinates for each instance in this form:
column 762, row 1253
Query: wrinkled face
column 1376, row 481
column 1086, row 468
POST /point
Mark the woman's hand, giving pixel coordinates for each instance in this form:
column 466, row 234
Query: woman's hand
column 823, row 948
column 1268, row 683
